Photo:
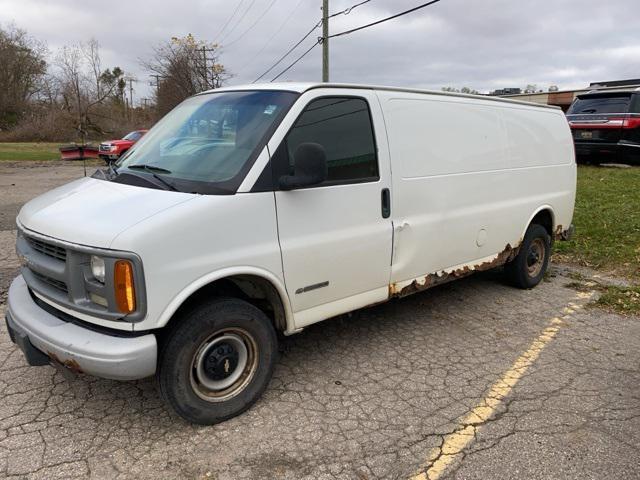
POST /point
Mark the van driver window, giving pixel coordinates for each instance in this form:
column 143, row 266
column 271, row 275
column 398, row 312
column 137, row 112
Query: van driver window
column 343, row 127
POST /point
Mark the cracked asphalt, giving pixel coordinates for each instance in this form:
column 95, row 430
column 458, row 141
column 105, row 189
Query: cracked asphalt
column 375, row 394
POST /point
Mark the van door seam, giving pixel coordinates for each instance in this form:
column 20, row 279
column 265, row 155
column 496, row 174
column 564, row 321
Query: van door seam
column 275, row 205
column 391, row 186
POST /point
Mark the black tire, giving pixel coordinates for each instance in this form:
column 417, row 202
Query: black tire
column 527, row 269
column 191, row 372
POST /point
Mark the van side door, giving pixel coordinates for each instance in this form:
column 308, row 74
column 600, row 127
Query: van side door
column 451, row 177
column 335, row 237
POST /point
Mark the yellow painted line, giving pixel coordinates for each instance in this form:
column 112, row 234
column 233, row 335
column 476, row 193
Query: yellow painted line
column 456, row 442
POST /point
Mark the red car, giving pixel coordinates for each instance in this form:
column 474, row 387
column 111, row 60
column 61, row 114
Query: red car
column 111, row 150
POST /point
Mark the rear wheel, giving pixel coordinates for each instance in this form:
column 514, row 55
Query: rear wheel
column 527, row 269
column 217, row 361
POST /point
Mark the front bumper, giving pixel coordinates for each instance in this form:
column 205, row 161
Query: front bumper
column 108, row 156
column 41, row 335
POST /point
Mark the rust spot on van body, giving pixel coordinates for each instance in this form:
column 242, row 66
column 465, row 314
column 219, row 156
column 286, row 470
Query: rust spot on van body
column 70, row 364
column 558, row 233
column 434, row 279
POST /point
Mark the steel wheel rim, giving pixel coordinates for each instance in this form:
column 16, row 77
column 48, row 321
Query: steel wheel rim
column 232, row 348
column 535, row 257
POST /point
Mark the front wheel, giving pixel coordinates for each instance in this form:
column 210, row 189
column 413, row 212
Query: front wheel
column 217, row 361
column 530, row 265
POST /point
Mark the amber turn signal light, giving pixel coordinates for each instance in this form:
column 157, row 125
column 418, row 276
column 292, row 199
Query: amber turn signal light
column 125, row 290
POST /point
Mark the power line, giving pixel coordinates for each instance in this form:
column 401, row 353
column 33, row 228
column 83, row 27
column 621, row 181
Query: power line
column 296, row 61
column 347, row 11
column 260, row 17
column 239, row 21
column 275, row 34
column 289, row 51
column 362, row 27
column 229, row 19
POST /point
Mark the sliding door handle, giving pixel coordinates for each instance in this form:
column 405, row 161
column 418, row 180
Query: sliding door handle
column 385, row 198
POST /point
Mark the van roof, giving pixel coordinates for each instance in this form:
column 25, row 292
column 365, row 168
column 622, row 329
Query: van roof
column 301, row 87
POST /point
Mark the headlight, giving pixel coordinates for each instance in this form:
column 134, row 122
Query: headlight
column 112, row 148
column 97, row 268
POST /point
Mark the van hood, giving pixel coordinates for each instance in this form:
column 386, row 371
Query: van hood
column 93, row 212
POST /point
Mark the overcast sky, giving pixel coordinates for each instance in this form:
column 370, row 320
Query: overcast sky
column 483, row 44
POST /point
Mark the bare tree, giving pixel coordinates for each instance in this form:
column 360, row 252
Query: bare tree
column 185, row 66
column 74, row 94
column 85, row 86
column 22, row 66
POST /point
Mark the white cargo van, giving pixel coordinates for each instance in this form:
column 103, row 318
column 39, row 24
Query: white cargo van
column 254, row 210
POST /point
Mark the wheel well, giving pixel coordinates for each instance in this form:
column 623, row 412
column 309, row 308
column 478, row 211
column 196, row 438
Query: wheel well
column 256, row 290
column 544, row 218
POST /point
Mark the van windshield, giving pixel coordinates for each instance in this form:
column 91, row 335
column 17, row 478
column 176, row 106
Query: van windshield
column 208, row 143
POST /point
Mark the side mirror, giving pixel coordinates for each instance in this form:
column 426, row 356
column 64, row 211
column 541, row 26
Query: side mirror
column 309, row 167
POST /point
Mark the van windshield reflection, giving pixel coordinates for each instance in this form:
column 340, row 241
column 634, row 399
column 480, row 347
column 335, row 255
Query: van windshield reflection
column 208, row 142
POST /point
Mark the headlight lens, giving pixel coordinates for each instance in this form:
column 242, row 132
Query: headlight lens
column 112, row 148
column 97, row 268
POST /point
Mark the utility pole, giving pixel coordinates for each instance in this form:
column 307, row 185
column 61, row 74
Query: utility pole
column 205, row 66
column 205, row 72
column 131, row 92
column 130, row 100
column 157, row 84
column 325, row 40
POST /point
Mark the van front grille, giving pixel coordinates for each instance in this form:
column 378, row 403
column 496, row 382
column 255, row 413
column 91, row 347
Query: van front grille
column 48, row 249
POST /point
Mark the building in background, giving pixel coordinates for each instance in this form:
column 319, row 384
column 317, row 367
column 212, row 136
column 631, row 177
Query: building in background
column 564, row 98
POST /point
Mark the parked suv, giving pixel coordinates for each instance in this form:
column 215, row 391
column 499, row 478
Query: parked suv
column 261, row 209
column 112, row 150
column 606, row 125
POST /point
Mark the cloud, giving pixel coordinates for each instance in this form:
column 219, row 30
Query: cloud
column 480, row 44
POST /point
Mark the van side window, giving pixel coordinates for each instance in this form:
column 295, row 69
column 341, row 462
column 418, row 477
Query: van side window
column 342, row 125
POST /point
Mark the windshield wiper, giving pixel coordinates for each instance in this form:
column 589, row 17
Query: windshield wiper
column 164, row 182
column 148, row 166
column 152, row 169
